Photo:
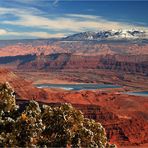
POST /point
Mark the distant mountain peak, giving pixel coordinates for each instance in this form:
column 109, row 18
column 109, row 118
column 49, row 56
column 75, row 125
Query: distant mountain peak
column 109, row 34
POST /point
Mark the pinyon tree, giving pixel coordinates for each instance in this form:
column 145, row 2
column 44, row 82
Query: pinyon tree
column 39, row 125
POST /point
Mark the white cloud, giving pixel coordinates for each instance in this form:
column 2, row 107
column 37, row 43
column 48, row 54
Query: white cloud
column 31, row 34
column 83, row 16
column 36, row 34
column 68, row 22
column 3, row 32
column 55, row 2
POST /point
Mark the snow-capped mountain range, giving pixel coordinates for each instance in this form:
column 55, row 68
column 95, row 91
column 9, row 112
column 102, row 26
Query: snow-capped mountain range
column 110, row 34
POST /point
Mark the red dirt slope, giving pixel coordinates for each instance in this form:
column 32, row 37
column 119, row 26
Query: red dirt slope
column 23, row 88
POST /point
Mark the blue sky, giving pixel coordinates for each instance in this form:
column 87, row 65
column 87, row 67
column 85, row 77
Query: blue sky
column 45, row 18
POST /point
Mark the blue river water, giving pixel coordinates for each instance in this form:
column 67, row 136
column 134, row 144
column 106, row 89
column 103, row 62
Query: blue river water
column 77, row 86
column 142, row 93
column 88, row 87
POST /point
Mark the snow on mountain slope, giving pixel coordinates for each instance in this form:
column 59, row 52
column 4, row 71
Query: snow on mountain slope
column 110, row 34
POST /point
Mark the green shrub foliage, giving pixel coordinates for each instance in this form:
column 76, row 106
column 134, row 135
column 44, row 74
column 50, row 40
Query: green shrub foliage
column 45, row 126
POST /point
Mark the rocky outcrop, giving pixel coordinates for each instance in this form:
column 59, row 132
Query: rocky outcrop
column 128, row 132
column 120, row 114
column 131, row 64
column 87, row 48
column 23, row 88
column 122, row 131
